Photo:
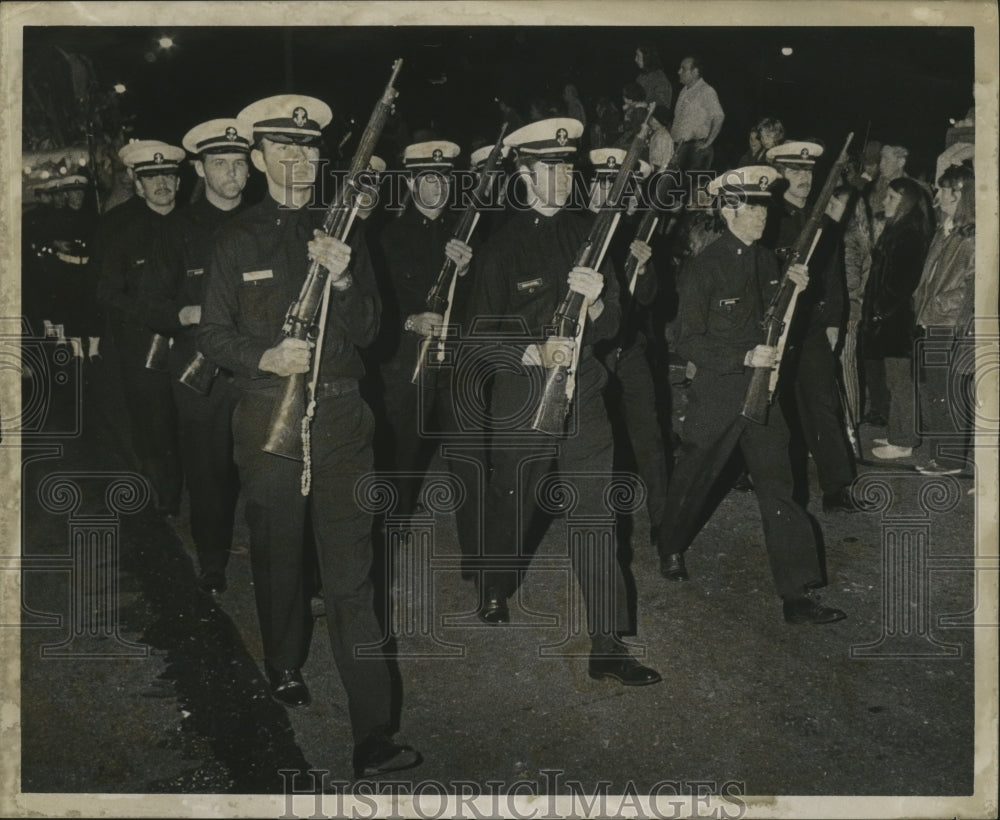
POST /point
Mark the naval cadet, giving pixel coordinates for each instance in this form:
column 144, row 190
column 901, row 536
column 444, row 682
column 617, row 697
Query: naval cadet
column 525, row 271
column 128, row 239
column 258, row 266
column 812, row 405
column 220, row 149
column 722, row 299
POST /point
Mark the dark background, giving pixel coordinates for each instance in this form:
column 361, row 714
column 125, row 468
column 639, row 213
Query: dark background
column 899, row 85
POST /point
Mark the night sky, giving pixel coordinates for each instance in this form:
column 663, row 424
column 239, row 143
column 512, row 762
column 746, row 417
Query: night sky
column 905, row 82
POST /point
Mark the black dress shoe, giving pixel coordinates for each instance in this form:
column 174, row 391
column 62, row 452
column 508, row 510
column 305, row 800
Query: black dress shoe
column 493, row 609
column 213, row 583
column 672, row 567
column 377, row 754
column 287, row 687
column 839, row 501
column 807, row 610
column 619, row 665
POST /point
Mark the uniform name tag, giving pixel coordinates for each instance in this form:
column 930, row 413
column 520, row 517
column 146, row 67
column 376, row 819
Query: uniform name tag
column 196, row 271
column 257, row 275
column 531, row 283
column 728, row 302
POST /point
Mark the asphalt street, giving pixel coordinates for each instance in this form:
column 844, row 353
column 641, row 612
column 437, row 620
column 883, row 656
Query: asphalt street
column 133, row 681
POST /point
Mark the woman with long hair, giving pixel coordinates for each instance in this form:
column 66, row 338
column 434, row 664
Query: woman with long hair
column 888, row 320
column 654, row 80
column 943, row 301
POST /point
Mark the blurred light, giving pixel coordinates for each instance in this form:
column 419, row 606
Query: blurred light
column 165, row 43
column 63, row 170
column 119, row 88
column 787, row 51
column 82, row 161
column 27, row 169
column 44, row 175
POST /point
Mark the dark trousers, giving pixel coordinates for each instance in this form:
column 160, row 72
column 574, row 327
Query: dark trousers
column 633, row 396
column 206, row 450
column 819, row 413
column 276, row 513
column 420, row 418
column 583, row 460
column 947, row 416
column 152, row 417
column 876, row 386
column 902, row 421
column 714, row 402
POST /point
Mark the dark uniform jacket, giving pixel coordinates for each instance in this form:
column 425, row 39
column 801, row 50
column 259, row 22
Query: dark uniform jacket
column 822, row 303
column 635, row 306
column 522, row 273
column 723, row 295
column 413, row 250
column 178, row 277
column 129, row 237
column 69, row 278
column 257, row 269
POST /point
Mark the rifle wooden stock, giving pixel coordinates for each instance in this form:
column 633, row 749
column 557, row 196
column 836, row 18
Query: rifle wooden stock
column 284, row 433
column 199, row 374
column 437, row 297
column 560, row 380
column 778, row 317
column 284, row 436
column 156, row 356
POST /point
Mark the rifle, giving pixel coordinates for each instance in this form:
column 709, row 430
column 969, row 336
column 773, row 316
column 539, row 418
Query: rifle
column 285, row 433
column 441, row 292
column 647, row 227
column 778, row 316
column 569, row 318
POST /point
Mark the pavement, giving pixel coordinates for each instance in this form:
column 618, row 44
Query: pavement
column 135, row 682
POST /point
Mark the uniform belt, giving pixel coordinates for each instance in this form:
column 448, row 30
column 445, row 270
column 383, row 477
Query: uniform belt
column 336, row 387
column 72, row 260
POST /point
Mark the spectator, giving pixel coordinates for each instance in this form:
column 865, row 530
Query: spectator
column 888, row 320
column 960, row 143
column 633, row 112
column 945, row 287
column 653, row 78
column 767, row 133
column 858, row 243
column 661, row 144
column 698, row 118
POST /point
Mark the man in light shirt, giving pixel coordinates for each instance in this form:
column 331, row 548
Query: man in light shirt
column 698, row 118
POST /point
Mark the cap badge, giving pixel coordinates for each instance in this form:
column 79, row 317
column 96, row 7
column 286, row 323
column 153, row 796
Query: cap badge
column 763, row 182
column 157, row 157
column 437, row 156
column 805, row 153
column 231, row 134
column 612, row 162
column 299, row 116
column 562, row 136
